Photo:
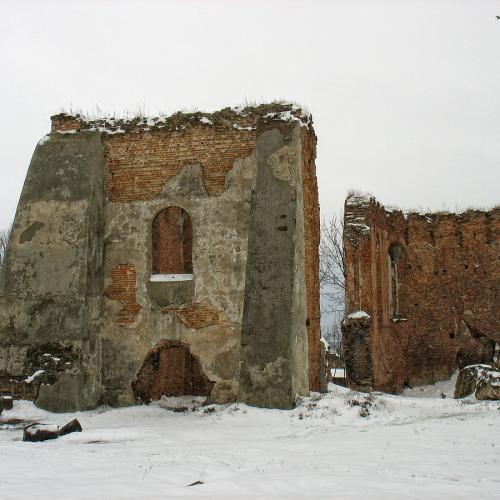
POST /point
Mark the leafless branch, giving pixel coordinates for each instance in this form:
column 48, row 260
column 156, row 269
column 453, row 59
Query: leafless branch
column 331, row 259
column 4, row 240
column 332, row 278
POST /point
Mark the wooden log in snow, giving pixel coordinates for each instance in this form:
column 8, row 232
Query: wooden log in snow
column 44, row 432
column 40, row 432
column 73, row 426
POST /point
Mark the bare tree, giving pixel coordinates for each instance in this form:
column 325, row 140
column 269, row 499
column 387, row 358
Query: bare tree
column 332, row 279
column 331, row 262
column 4, row 240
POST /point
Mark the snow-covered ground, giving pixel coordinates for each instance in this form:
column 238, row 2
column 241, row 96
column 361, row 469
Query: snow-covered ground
column 406, row 447
column 437, row 390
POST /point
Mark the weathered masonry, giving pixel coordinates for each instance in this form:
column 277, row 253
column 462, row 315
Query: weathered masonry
column 165, row 256
column 423, row 293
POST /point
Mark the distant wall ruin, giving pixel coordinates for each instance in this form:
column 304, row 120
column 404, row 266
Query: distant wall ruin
column 430, row 284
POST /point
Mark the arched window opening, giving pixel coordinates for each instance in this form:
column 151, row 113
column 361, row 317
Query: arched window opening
column 172, row 248
column 396, row 257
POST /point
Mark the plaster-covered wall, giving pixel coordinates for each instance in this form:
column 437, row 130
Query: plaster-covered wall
column 207, row 165
column 51, row 279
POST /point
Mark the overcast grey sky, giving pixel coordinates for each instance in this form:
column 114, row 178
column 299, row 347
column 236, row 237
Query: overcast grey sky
column 405, row 94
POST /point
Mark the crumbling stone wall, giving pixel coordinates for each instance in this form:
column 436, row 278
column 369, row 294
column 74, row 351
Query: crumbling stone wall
column 429, row 282
column 51, row 281
column 311, row 261
column 204, row 167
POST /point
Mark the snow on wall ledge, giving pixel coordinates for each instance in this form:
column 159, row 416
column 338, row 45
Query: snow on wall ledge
column 242, row 119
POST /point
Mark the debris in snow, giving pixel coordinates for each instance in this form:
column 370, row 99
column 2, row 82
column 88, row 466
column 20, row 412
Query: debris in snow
column 364, row 402
column 482, row 380
column 32, row 377
column 195, row 483
column 40, row 432
column 73, row 426
column 44, row 432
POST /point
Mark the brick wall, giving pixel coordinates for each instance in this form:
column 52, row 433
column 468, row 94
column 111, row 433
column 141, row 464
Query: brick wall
column 447, row 289
column 140, row 164
column 197, row 315
column 123, row 289
column 357, row 353
column 170, row 370
column 141, row 155
column 311, row 264
column 65, row 123
column 172, row 235
column 18, row 388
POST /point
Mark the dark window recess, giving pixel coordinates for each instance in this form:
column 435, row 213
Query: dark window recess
column 396, row 259
column 172, row 248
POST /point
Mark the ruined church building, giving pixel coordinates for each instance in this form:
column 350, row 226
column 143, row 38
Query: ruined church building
column 422, row 294
column 178, row 255
column 169, row 256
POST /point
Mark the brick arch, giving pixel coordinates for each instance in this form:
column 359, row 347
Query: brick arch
column 172, row 242
column 170, row 369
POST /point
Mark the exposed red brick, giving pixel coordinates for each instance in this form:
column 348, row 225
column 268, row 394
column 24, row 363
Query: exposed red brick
column 123, row 289
column 198, row 315
column 172, row 242
column 170, row 370
column 446, row 285
column 140, row 164
column 64, row 123
column 311, row 264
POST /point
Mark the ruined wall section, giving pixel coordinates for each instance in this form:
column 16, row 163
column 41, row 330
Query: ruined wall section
column 360, row 292
column 436, row 307
column 207, row 166
column 311, row 239
column 146, row 173
column 274, row 364
column 51, row 285
column 85, row 311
